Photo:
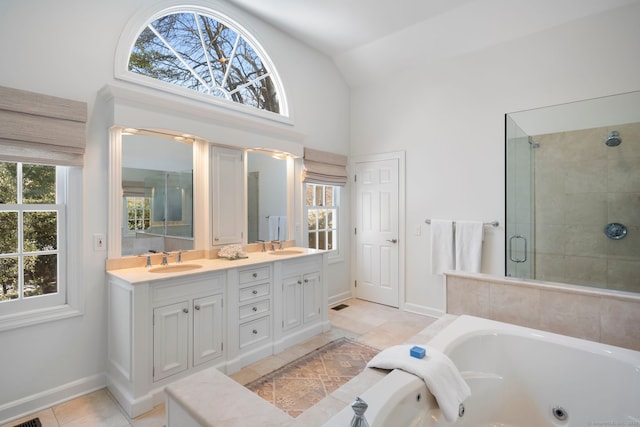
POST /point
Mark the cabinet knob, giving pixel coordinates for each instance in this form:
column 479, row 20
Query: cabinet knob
column 185, row 310
column 255, row 275
column 255, row 292
column 306, row 280
column 255, row 308
column 255, row 332
column 216, row 239
column 197, row 307
column 299, row 282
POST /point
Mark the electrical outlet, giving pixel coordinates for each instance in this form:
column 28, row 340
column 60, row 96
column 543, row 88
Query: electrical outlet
column 99, row 242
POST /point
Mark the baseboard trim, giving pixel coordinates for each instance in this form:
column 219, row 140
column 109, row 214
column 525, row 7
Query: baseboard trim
column 425, row 311
column 335, row 299
column 45, row 399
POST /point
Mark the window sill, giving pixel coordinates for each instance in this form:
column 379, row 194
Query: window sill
column 35, row 317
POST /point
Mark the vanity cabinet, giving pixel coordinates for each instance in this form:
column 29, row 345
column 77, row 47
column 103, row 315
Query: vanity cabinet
column 160, row 331
column 303, row 303
column 228, row 196
column 201, row 320
column 227, row 316
column 251, row 313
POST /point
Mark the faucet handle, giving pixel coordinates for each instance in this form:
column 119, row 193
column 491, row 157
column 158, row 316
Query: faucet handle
column 148, row 265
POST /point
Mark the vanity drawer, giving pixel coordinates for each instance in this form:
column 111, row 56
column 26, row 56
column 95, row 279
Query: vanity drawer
column 257, row 308
column 255, row 331
column 254, row 274
column 255, row 291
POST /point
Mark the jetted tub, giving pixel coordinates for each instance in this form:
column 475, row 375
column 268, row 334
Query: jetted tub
column 519, row 377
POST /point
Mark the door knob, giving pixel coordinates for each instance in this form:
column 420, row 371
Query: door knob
column 392, row 240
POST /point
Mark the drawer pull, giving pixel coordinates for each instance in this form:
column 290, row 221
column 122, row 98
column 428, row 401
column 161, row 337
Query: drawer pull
column 255, row 275
column 255, row 332
column 306, row 280
column 255, row 292
column 185, row 310
column 299, row 282
column 255, row 308
column 197, row 307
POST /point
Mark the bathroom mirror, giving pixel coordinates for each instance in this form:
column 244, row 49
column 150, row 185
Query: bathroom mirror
column 157, row 192
column 573, row 193
column 266, row 196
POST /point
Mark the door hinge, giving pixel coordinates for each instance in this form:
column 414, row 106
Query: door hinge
column 222, row 303
column 221, row 346
column 355, row 283
column 355, row 230
column 355, row 178
column 282, row 324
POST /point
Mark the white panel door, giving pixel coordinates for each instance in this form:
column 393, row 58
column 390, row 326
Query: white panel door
column 377, row 229
column 291, row 302
column 312, row 296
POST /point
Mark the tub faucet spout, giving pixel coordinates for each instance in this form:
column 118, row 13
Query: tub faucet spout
column 359, row 407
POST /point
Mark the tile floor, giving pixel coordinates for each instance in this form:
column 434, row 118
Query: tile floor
column 376, row 325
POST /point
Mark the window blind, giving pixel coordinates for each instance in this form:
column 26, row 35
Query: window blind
column 321, row 167
column 43, row 129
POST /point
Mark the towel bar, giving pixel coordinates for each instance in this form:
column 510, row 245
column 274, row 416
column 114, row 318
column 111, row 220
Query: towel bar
column 492, row 223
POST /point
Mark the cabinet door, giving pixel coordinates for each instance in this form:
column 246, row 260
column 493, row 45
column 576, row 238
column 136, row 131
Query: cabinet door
column 207, row 328
column 170, row 339
column 311, row 295
column 291, row 302
column 228, row 188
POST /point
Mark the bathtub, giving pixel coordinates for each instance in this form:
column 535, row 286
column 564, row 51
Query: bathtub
column 519, row 377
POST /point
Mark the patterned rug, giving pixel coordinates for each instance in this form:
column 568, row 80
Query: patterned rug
column 304, row 382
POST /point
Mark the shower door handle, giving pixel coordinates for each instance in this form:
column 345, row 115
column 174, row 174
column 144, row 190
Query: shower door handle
column 511, row 239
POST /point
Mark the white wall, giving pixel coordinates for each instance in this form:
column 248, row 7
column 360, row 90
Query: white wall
column 449, row 118
column 66, row 49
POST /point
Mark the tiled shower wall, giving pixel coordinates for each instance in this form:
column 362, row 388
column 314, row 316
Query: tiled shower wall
column 597, row 315
column 581, row 185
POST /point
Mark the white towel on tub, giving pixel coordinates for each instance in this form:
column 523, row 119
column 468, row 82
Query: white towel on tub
column 436, row 369
column 441, row 246
column 469, row 246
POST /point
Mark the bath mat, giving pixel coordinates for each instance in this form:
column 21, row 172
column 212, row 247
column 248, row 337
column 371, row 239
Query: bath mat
column 299, row 385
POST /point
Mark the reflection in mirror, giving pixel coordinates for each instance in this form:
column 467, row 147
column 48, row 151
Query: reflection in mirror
column 266, row 197
column 157, row 191
column 573, row 175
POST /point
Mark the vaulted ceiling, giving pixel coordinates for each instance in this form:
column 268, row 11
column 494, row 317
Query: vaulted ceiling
column 366, row 35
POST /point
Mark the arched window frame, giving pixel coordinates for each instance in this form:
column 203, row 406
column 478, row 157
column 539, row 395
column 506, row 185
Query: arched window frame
column 144, row 17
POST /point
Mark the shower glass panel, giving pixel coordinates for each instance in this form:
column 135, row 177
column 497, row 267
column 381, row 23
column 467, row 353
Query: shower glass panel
column 573, row 193
column 519, row 203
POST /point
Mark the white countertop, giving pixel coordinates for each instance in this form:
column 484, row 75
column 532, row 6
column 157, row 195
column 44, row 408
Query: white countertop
column 143, row 275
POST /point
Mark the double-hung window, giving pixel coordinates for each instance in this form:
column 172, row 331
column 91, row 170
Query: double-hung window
column 32, row 220
column 321, row 210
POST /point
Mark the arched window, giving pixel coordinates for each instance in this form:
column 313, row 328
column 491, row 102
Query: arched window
column 207, row 53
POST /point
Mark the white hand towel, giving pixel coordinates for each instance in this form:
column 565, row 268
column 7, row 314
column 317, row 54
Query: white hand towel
column 282, row 228
column 469, row 246
column 274, row 221
column 438, row 372
column 441, row 246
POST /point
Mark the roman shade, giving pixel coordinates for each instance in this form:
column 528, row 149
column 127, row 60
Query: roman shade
column 321, row 167
column 43, row 129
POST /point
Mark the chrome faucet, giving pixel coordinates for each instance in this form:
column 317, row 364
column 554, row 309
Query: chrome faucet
column 165, row 254
column 264, row 245
column 359, row 407
column 148, row 265
column 179, row 261
column 273, row 244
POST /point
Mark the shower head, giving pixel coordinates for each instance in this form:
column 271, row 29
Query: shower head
column 614, row 139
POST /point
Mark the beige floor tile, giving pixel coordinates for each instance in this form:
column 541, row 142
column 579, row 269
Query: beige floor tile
column 154, row 418
column 95, row 409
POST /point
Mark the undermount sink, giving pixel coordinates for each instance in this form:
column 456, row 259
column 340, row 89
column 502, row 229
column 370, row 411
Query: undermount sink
column 174, row 268
column 286, row 252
